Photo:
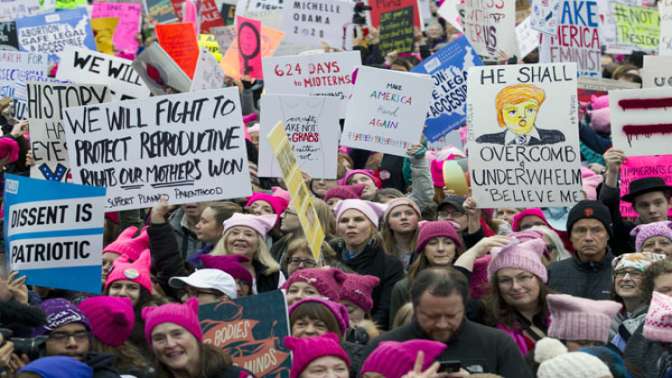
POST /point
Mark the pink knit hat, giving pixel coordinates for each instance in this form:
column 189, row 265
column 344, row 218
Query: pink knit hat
column 371, row 210
column 308, row 349
column 658, row 321
column 339, row 311
column 277, row 191
column 112, row 318
column 9, row 149
column 351, row 172
column 260, row 223
column 589, row 182
column 574, row 318
column 231, row 264
column 137, row 271
column 400, row 202
column 345, row 192
column 403, row 354
column 184, row 315
column 327, row 281
column 278, row 203
column 358, row 289
column 645, row 231
column 600, row 120
column 479, row 286
column 431, row 230
column 126, row 244
column 599, row 102
column 537, row 212
column 519, row 255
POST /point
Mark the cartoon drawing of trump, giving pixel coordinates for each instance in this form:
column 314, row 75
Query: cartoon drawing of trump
column 517, row 108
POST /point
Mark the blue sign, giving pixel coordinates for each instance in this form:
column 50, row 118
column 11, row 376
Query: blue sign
column 448, row 106
column 54, row 232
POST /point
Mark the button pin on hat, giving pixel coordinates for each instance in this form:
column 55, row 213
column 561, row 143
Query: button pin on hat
column 588, row 212
column 131, row 273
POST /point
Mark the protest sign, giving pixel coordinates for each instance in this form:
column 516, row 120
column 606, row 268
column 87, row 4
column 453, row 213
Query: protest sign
column 8, row 38
column 16, row 69
column 189, row 147
column 637, row 28
column 209, row 42
column 209, row 74
column 545, row 15
column 300, row 197
column 315, row 75
column 248, row 32
column 70, row 4
column 160, row 11
column 210, row 16
column 387, row 110
column 636, row 167
column 51, row 33
column 657, row 71
column 490, row 27
column 448, row 67
column 228, row 12
column 103, row 30
column 46, row 102
column 665, row 10
column 54, row 233
column 396, row 31
column 269, row 41
column 523, row 136
column 87, row 66
column 159, row 71
column 641, row 120
column 10, row 10
column 256, row 8
column 312, row 128
column 224, row 35
column 312, row 22
column 576, row 39
column 125, row 37
column 251, row 330
column 448, row 10
column 378, row 7
column 179, row 41
column 528, row 38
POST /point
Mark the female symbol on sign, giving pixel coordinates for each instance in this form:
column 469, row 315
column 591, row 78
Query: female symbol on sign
column 251, row 34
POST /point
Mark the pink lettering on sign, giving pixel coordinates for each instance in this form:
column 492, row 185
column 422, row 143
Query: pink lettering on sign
column 639, row 167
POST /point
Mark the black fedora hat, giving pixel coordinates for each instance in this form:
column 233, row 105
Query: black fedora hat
column 645, row 185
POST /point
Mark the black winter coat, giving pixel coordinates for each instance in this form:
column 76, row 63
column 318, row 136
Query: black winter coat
column 587, row 280
column 102, row 365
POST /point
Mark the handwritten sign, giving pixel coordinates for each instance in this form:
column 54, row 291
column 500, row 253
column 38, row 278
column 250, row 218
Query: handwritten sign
column 270, row 39
column 490, row 27
column 16, row 69
column 54, row 232
column 260, row 323
column 378, row 7
column 637, row 28
column 641, row 120
column 210, row 16
column 189, row 147
column 448, row 10
column 87, row 66
column 312, row 22
column 209, row 42
column 70, row 4
column 636, row 167
column 545, row 15
column 312, row 127
column 103, row 30
column 665, row 10
column 159, row 71
column 209, row 74
column 657, row 71
column 160, row 11
column 448, row 67
column 179, row 41
column 387, row 110
column 125, row 36
column 523, row 136
column 225, row 36
column 248, row 32
column 396, row 31
column 51, row 33
column 10, row 10
column 46, row 102
column 576, row 39
column 8, row 38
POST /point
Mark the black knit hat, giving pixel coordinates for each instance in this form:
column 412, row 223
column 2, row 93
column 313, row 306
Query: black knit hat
column 589, row 209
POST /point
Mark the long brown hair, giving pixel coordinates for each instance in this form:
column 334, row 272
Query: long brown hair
column 212, row 360
column 500, row 312
column 421, row 262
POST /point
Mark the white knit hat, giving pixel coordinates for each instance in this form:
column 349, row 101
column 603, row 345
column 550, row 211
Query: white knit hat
column 557, row 363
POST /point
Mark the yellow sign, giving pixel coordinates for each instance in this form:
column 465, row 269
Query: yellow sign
column 103, row 29
column 301, row 199
column 209, row 42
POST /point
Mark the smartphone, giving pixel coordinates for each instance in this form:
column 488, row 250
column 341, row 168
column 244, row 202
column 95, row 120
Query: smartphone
column 452, row 366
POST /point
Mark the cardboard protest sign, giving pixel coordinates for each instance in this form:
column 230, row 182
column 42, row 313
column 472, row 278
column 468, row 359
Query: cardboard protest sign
column 260, row 323
column 665, row 10
column 8, row 37
column 576, row 39
column 46, row 102
column 159, row 71
column 70, row 4
column 636, row 167
column 16, row 69
column 11, row 10
column 387, row 110
column 179, row 41
column 209, row 74
column 378, row 7
column 396, row 30
column 248, row 32
column 312, row 22
column 86, row 66
column 314, row 75
column 490, row 27
column 641, row 120
column 523, row 136
column 209, row 42
column 312, row 128
column 637, row 28
column 545, row 15
column 448, row 67
column 300, row 198
column 51, row 33
column 270, row 39
column 189, row 147
column 528, row 38
column 54, row 232
column 657, row 71
column 125, row 37
column 160, row 11
column 103, row 30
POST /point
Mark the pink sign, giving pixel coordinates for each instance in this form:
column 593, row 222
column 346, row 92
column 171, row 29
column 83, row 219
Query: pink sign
column 639, row 167
column 125, row 38
column 249, row 46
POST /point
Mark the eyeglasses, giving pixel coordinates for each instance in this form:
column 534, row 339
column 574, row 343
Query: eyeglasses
column 64, row 336
column 633, row 274
column 508, row 281
column 195, row 292
column 310, row 263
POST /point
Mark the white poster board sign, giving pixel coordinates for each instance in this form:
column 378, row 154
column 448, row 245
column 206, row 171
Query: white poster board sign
column 189, row 147
column 641, row 120
column 490, row 27
column 208, row 74
column 448, row 10
column 528, row 38
column 523, row 136
column 387, row 110
column 657, row 71
column 312, row 22
column 312, row 127
column 665, row 10
column 545, row 15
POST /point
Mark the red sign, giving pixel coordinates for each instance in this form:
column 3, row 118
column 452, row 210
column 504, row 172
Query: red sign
column 379, row 7
column 179, row 41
